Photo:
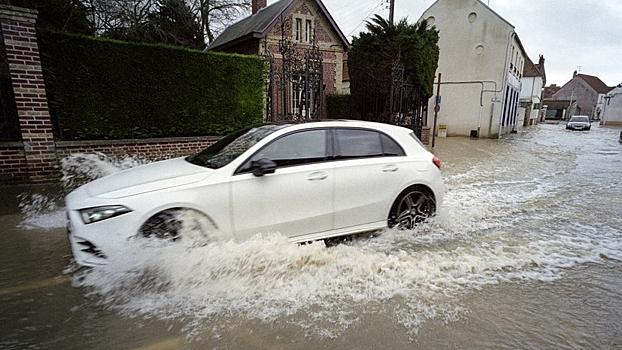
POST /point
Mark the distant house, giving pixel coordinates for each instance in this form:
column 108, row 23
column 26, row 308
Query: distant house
column 315, row 51
column 481, row 61
column 533, row 81
column 583, row 94
column 612, row 107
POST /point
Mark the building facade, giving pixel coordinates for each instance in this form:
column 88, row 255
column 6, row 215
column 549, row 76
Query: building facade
column 583, row 94
column 481, row 62
column 306, row 50
column 533, row 82
column 612, row 107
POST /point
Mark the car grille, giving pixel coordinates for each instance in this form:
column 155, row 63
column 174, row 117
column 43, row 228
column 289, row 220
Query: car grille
column 90, row 248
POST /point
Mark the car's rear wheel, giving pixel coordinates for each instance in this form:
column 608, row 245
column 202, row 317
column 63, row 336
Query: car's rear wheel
column 412, row 207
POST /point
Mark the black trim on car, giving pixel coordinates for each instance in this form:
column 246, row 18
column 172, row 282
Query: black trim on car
column 332, row 148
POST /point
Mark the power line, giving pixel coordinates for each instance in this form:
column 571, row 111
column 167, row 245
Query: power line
column 367, row 17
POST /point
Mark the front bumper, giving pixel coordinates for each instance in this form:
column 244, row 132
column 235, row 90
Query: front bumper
column 91, row 244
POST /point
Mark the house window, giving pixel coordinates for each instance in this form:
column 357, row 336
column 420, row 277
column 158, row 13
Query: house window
column 298, row 29
column 308, row 31
column 299, row 96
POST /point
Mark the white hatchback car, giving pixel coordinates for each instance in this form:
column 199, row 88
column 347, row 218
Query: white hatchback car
column 306, row 181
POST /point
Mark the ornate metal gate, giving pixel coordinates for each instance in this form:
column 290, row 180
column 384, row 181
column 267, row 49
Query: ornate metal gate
column 295, row 84
column 407, row 107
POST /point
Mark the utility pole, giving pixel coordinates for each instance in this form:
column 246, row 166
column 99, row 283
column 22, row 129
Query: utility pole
column 437, row 107
column 391, row 10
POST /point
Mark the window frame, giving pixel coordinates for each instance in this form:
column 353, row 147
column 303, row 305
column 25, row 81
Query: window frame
column 298, row 29
column 331, row 147
column 244, row 167
column 308, row 30
column 336, row 157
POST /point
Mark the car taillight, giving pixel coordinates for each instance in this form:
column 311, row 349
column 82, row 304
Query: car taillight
column 437, row 161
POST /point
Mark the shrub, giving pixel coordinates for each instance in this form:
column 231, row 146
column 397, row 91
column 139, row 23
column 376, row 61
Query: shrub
column 338, row 106
column 105, row 89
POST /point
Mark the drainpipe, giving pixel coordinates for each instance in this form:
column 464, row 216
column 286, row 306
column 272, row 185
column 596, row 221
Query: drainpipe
column 504, row 80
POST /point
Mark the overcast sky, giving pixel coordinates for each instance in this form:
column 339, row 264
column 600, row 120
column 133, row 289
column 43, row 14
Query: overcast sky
column 569, row 33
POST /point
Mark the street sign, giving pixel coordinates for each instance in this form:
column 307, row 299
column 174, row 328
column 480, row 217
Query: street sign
column 438, row 100
column 437, row 108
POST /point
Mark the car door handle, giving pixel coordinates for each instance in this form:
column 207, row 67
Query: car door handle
column 390, row 168
column 317, row 176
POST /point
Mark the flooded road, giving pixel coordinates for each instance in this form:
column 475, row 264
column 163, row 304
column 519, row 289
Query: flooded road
column 526, row 252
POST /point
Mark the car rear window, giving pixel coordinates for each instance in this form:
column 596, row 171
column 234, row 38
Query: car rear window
column 580, row 119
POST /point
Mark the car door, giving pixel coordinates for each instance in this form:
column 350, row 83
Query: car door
column 297, row 199
column 367, row 175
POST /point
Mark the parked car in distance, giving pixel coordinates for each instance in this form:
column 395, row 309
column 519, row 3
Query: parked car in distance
column 309, row 181
column 579, row 122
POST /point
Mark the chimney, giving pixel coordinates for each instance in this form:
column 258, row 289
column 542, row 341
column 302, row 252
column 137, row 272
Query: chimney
column 541, row 61
column 258, row 5
column 574, row 75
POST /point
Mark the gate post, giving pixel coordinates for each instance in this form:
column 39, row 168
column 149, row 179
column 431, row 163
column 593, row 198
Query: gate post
column 22, row 53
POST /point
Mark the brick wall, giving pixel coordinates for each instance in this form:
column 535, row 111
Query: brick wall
column 13, row 167
column 152, row 149
column 22, row 54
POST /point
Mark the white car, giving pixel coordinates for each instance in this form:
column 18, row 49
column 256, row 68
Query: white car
column 579, row 122
column 306, row 181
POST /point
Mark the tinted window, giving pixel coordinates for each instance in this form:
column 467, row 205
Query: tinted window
column 579, row 119
column 232, row 146
column 353, row 143
column 295, row 149
column 390, row 147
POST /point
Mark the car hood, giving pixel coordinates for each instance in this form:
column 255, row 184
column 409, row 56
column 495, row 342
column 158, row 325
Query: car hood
column 147, row 178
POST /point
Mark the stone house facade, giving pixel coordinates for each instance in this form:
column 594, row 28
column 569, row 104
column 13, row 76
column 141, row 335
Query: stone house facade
column 305, row 24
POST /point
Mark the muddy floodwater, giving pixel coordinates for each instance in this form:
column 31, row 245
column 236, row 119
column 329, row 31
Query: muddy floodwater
column 525, row 252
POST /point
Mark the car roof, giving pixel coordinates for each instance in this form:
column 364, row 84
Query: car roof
column 347, row 123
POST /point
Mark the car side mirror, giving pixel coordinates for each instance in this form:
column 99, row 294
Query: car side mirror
column 263, row 166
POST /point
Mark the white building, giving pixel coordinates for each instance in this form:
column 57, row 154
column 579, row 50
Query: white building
column 533, row 81
column 481, row 61
column 612, row 108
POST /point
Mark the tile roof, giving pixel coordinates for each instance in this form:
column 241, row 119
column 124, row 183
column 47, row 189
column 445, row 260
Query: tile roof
column 531, row 69
column 258, row 24
column 595, row 83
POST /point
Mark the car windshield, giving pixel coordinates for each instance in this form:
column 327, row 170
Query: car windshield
column 232, row 146
column 579, row 119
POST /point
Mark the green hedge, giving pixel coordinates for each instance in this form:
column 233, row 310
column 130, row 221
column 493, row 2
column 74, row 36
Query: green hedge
column 105, row 89
column 339, row 106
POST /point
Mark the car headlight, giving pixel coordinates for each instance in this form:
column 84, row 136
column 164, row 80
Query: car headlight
column 90, row 215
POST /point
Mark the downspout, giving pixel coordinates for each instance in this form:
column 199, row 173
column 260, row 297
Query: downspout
column 504, row 81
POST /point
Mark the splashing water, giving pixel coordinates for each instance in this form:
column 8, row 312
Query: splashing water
column 518, row 210
column 523, row 209
column 44, row 211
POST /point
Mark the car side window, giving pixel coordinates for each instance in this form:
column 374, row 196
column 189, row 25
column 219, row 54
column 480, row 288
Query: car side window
column 300, row 148
column 390, row 147
column 361, row 143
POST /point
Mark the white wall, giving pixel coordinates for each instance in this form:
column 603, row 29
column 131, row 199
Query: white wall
column 613, row 110
column 473, row 45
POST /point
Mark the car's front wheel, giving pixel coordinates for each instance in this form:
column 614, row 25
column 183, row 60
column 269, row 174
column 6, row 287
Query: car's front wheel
column 413, row 206
column 172, row 223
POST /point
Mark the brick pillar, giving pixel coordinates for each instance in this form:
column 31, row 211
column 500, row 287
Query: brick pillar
column 20, row 41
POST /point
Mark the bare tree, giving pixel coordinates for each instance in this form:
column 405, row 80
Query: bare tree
column 129, row 16
column 215, row 15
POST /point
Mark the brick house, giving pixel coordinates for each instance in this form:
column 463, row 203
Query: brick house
column 306, row 24
column 583, row 94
